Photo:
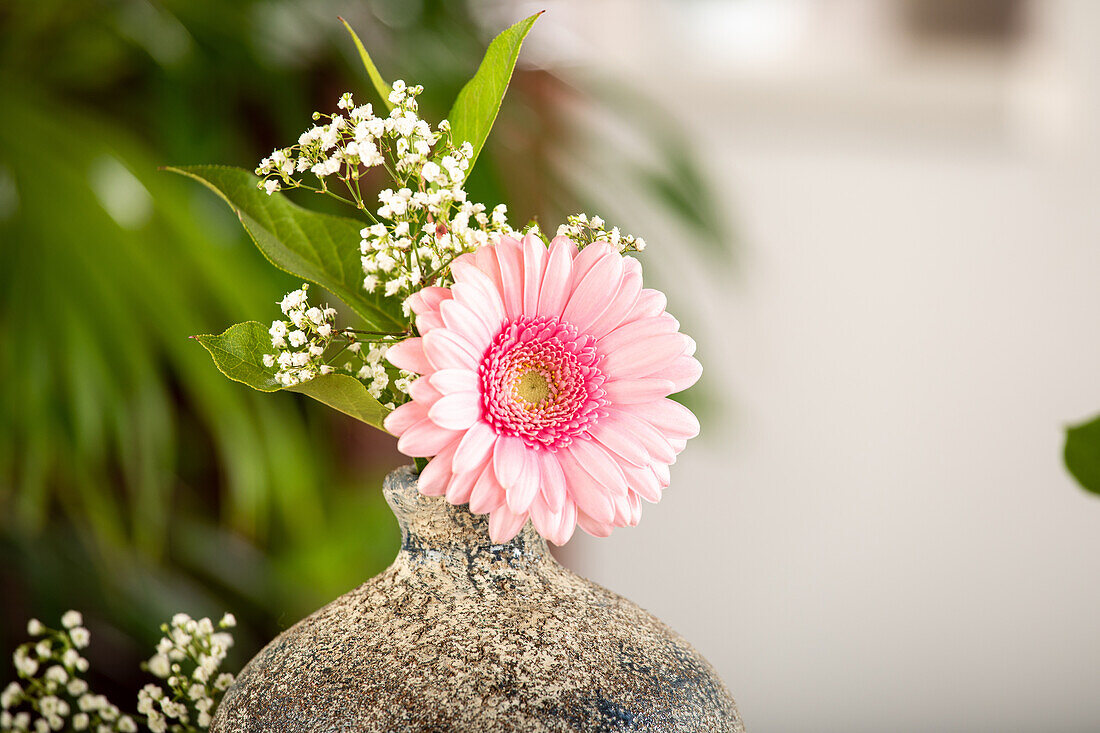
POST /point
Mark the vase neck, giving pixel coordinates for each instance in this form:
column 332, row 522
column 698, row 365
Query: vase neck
column 430, row 525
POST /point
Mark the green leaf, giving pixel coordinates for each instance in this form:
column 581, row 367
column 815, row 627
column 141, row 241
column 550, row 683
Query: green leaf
column 238, row 353
column 475, row 109
column 317, row 247
column 1082, row 454
column 380, row 85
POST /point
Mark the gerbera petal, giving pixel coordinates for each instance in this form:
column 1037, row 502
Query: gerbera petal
column 589, row 298
column 457, row 380
column 488, row 306
column 409, row 355
column 639, row 359
column 445, row 349
column 428, row 322
column 404, row 417
column 546, row 521
column 671, row 418
column 643, row 481
column 428, row 299
column 553, row 481
column 650, row 303
column 534, row 263
column 600, row 464
column 425, row 439
column 458, row 490
column 475, row 448
column 510, row 256
column 435, row 476
column 554, row 292
column 621, row 305
column 520, row 494
column 660, row 470
column 650, row 438
column 504, row 524
column 584, row 260
column 635, row 509
column 589, row 495
column 566, row 525
column 592, row 526
column 622, row 510
column 683, row 372
column 632, row 331
column 456, row 411
column 487, row 494
column 509, row 455
column 611, row 436
column 422, row 391
column 460, row 317
column 634, row 391
column 485, row 259
column 467, row 273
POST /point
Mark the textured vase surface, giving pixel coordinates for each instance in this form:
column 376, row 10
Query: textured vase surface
column 460, row 635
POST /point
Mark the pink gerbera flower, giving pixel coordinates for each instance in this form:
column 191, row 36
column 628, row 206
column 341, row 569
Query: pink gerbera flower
column 544, row 388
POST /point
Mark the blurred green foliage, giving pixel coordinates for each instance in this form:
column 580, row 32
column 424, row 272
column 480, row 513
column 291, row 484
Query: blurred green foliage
column 135, row 480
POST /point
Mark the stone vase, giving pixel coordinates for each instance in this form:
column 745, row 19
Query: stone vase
column 460, row 635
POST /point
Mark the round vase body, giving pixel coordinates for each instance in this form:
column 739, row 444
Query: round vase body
column 460, row 635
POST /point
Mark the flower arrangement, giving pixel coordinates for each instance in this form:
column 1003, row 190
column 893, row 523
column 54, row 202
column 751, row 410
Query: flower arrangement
column 529, row 376
column 532, row 374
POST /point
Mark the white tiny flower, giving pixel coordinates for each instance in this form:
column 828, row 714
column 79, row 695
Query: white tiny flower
column 297, row 338
column 35, row 627
column 160, row 666
column 80, row 721
column 10, row 695
column 72, row 619
column 80, row 637
column 271, row 185
column 76, row 687
column 57, row 674
column 269, row 360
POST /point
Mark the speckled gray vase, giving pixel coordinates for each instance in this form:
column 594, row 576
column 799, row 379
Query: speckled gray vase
column 463, row 636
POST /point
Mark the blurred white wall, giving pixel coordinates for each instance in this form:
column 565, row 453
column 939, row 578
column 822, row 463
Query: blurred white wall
column 875, row 532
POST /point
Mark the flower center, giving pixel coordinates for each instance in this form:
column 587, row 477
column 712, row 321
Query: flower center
column 533, row 387
column 540, row 381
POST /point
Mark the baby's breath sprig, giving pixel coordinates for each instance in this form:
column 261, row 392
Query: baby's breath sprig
column 52, row 694
column 188, row 658
column 584, row 230
column 309, row 344
column 424, row 219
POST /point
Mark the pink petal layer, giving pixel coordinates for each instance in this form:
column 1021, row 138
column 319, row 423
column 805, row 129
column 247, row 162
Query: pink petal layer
column 504, row 524
column 434, row 478
column 404, row 417
column 456, row 411
column 409, row 355
column 425, row 439
column 475, row 447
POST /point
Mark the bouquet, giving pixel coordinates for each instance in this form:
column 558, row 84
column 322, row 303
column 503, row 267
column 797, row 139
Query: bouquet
column 532, row 374
column 529, row 376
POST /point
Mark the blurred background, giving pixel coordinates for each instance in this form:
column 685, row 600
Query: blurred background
column 878, row 218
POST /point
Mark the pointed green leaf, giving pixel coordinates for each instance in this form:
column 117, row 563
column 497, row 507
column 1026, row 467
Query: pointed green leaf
column 346, row 394
column 238, row 353
column 317, row 247
column 1082, row 454
column 380, row 85
column 475, row 109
